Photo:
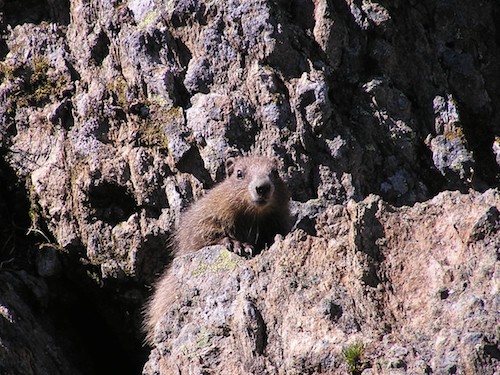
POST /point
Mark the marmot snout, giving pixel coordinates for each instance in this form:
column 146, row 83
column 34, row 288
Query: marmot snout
column 261, row 189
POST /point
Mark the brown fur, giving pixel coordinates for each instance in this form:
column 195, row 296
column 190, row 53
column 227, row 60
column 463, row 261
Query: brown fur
column 244, row 212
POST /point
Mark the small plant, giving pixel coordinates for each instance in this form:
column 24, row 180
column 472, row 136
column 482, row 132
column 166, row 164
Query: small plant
column 352, row 355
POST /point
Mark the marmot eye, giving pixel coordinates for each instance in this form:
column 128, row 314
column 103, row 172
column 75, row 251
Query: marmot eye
column 239, row 174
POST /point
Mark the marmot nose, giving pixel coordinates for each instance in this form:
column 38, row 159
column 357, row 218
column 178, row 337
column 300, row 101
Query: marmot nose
column 263, row 189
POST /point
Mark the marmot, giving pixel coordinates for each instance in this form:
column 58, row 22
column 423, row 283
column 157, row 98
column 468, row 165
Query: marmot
column 244, row 213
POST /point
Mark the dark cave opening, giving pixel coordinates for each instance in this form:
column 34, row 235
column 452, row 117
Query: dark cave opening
column 84, row 329
column 92, row 327
column 17, row 12
column 111, row 202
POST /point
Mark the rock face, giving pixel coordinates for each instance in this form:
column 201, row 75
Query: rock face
column 417, row 286
column 114, row 115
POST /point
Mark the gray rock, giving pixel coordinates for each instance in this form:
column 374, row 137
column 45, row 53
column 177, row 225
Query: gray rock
column 116, row 115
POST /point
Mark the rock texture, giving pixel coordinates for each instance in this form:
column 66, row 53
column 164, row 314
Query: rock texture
column 114, row 115
column 417, row 286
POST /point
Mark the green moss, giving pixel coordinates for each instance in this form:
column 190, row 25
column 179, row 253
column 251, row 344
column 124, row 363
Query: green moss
column 35, row 87
column 152, row 130
column 119, row 88
column 7, row 71
column 40, row 68
column 41, row 86
column 151, row 134
column 174, row 112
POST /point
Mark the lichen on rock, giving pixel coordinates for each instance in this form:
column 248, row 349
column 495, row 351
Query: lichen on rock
column 116, row 115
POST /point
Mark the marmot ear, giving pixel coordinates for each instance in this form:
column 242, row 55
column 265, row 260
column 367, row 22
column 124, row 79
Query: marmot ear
column 229, row 167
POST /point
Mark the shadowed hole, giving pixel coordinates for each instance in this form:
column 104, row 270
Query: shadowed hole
column 111, row 203
column 18, row 12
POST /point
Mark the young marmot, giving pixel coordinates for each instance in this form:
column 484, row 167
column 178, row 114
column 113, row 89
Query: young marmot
column 244, row 213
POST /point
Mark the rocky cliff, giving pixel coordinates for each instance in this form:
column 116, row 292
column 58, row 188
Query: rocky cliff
column 115, row 115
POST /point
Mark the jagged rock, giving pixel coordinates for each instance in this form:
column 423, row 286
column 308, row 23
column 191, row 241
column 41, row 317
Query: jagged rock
column 416, row 285
column 116, row 115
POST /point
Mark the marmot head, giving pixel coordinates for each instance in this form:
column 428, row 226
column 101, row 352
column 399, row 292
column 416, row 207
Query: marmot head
column 257, row 178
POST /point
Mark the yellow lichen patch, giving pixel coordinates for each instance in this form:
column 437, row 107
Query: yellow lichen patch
column 226, row 261
column 159, row 100
column 203, row 338
column 148, row 19
column 455, row 133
